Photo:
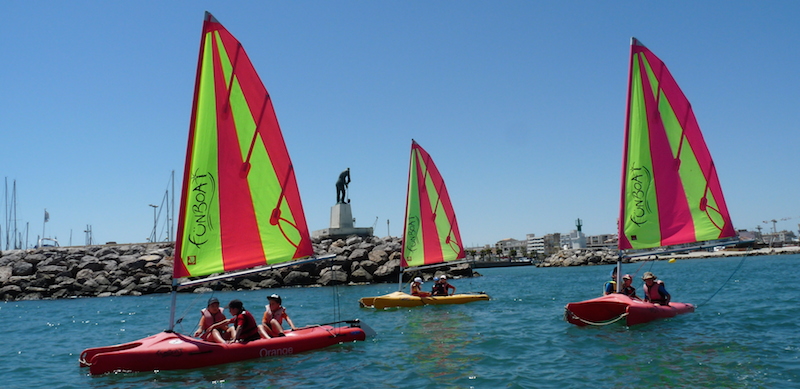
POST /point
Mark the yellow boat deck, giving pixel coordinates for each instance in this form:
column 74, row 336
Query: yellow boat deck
column 400, row 299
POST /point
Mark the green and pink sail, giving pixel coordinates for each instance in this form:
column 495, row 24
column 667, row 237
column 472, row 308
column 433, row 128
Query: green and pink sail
column 670, row 190
column 240, row 207
column 431, row 233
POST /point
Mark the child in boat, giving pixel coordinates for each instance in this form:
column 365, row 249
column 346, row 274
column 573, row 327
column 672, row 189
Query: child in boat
column 654, row 291
column 416, row 288
column 272, row 322
column 447, row 286
column 627, row 288
column 244, row 327
column 208, row 317
column 611, row 286
column 438, row 288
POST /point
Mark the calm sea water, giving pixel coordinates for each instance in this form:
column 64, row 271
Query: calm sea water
column 745, row 336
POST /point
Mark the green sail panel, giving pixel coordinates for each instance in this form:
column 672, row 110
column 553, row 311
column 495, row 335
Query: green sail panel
column 431, row 232
column 240, row 206
column 670, row 190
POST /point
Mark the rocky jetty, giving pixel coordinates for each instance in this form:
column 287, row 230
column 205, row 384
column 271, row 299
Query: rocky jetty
column 581, row 257
column 137, row 269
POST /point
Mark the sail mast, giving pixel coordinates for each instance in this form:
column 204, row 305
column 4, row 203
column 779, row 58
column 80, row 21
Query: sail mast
column 207, row 18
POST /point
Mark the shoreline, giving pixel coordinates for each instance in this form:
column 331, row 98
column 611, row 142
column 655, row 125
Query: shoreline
column 139, row 269
column 591, row 257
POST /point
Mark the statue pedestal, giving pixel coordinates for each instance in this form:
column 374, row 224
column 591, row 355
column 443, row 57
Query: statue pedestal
column 341, row 224
column 341, row 216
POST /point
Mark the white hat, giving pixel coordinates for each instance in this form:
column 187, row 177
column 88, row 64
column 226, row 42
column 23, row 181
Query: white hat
column 418, row 279
column 443, row 277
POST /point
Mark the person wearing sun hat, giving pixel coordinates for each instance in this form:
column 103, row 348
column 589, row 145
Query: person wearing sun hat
column 208, row 317
column 416, row 288
column 272, row 321
column 654, row 290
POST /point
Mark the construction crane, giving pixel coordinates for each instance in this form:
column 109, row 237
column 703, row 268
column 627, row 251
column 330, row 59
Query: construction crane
column 775, row 221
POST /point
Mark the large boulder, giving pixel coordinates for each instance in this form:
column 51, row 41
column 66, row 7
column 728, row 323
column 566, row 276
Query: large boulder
column 5, row 273
column 390, row 270
column 10, row 292
column 84, row 275
column 22, row 268
column 378, row 256
column 369, row 266
column 298, row 278
column 358, row 255
column 269, row 283
column 10, row 257
column 35, row 258
column 332, row 277
column 361, row 275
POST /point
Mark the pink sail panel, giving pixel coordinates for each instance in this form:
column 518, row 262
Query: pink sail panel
column 240, row 206
column 670, row 190
column 431, row 232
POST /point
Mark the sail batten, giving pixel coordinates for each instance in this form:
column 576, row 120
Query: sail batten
column 431, row 232
column 670, row 191
column 240, row 206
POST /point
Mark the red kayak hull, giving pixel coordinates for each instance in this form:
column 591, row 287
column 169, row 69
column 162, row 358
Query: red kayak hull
column 174, row 351
column 605, row 309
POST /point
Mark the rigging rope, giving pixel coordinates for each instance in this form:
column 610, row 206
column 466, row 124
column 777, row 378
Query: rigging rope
column 336, row 308
column 729, row 278
column 194, row 304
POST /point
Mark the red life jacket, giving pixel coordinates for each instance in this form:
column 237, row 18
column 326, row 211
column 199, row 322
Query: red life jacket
column 247, row 322
column 653, row 294
column 209, row 318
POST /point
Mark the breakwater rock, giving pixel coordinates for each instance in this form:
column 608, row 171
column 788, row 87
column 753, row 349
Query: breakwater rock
column 137, row 269
column 581, row 257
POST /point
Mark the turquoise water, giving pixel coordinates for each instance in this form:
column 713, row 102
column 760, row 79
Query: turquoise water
column 745, row 336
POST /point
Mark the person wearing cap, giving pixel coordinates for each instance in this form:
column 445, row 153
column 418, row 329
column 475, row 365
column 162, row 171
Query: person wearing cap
column 244, row 327
column 416, row 288
column 208, row 317
column 438, row 288
column 627, row 288
column 447, row 286
column 272, row 322
column 654, row 290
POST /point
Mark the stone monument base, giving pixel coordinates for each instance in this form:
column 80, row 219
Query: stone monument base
column 340, row 233
column 341, row 224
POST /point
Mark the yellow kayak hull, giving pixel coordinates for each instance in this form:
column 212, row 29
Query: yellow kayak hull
column 400, row 299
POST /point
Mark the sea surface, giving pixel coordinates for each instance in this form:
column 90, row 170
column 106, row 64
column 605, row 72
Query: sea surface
column 744, row 334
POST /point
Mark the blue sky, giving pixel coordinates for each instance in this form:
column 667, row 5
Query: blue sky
column 520, row 104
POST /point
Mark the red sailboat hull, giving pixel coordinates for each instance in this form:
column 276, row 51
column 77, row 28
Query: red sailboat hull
column 616, row 307
column 174, row 351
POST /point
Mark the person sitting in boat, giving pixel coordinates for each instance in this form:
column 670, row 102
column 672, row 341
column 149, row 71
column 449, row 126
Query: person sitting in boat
column 611, row 286
column 627, row 288
column 654, row 290
column 244, row 327
column 416, row 288
column 272, row 322
column 438, row 288
column 208, row 317
column 447, row 286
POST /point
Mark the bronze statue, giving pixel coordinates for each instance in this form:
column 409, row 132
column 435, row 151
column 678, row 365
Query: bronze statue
column 341, row 186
